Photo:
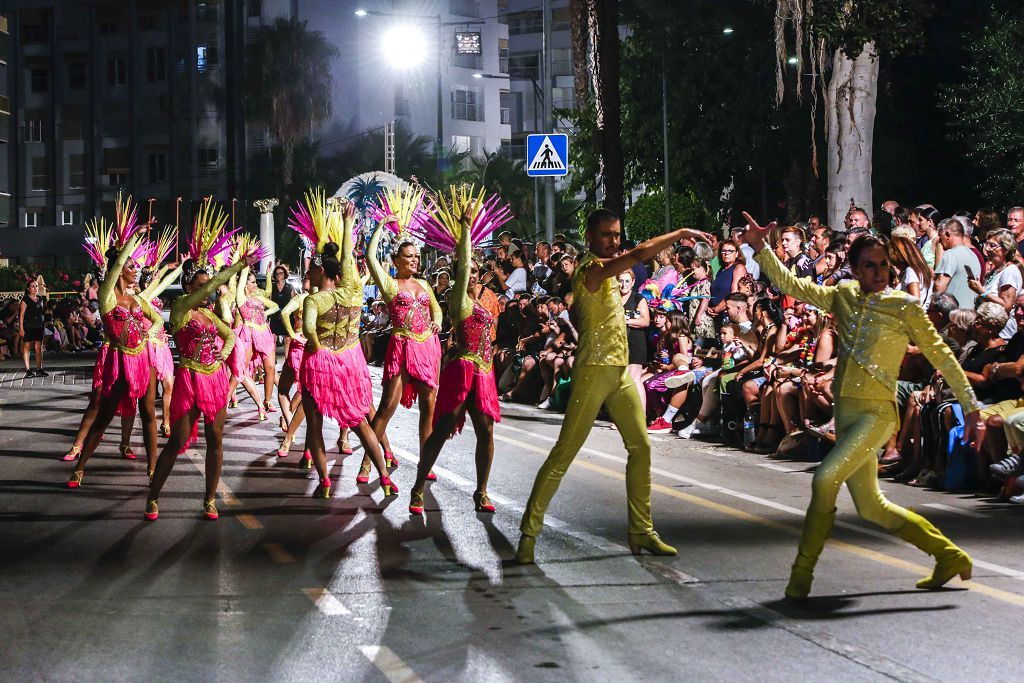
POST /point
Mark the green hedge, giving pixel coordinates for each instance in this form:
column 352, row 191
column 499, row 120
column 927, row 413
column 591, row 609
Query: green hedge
column 646, row 218
column 15, row 278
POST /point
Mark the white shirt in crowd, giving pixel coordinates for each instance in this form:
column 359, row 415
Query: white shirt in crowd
column 910, row 276
column 752, row 266
column 1009, row 276
column 516, row 283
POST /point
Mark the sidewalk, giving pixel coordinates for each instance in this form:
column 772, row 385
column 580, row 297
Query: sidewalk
column 64, row 369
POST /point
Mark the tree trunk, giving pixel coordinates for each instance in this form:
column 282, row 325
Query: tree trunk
column 850, row 106
column 579, row 11
column 287, row 162
column 604, row 30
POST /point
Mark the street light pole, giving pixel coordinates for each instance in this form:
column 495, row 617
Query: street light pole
column 549, row 183
column 664, row 132
column 439, row 143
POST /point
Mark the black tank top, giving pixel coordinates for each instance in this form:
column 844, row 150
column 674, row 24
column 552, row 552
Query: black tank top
column 33, row 313
column 636, row 339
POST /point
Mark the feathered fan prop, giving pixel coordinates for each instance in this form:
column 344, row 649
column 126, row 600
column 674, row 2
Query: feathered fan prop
column 442, row 226
column 317, row 220
column 403, row 209
column 209, row 246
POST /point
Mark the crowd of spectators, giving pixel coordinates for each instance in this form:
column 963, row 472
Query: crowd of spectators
column 717, row 353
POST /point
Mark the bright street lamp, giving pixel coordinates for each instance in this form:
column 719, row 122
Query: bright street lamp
column 727, row 30
column 405, row 46
column 361, row 13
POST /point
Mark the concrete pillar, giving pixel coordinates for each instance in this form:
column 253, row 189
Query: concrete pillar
column 266, row 209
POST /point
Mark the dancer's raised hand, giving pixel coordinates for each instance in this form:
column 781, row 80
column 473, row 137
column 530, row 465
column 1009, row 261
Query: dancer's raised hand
column 755, row 235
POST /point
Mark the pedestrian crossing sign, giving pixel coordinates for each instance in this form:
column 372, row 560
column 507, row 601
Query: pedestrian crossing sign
column 547, row 154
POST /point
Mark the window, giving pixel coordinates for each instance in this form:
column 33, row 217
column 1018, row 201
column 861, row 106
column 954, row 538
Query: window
column 206, row 56
column 525, row 22
column 117, row 71
column 108, row 27
column 468, row 61
column 209, row 157
column 117, row 163
column 70, row 216
column 40, row 174
column 206, row 11
column 467, row 104
column 461, row 143
column 33, row 130
column 71, row 122
column 503, row 55
column 33, row 33
column 39, row 80
column 559, row 18
column 561, row 62
column 157, row 163
column 117, row 179
column 563, row 98
column 76, row 171
column 31, row 219
column 156, row 64
column 255, row 8
column 77, row 75
column 148, row 22
column 524, row 66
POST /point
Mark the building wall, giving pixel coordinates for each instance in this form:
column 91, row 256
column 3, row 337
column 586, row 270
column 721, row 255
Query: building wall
column 369, row 92
column 134, row 95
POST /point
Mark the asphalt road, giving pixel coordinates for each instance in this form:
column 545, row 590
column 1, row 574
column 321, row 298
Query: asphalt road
column 287, row 587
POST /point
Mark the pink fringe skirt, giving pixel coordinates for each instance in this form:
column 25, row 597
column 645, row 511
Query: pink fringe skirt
column 97, row 369
column 422, row 360
column 460, row 379
column 161, row 359
column 208, row 392
column 339, row 382
column 134, row 370
column 261, row 342
column 296, row 350
column 236, row 361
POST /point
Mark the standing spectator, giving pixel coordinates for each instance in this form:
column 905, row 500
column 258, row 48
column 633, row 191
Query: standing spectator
column 638, row 319
column 957, row 259
column 915, row 275
column 821, row 237
column 987, row 220
column 1002, row 279
column 925, row 219
column 541, row 269
column 665, row 272
column 733, row 269
column 30, row 328
column 748, row 255
column 280, row 293
column 515, row 281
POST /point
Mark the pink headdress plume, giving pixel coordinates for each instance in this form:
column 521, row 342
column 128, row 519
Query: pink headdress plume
column 209, row 245
column 442, row 226
column 247, row 248
column 161, row 249
column 315, row 219
column 403, row 210
column 99, row 237
column 126, row 216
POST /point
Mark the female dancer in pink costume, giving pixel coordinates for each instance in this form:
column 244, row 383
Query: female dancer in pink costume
column 467, row 381
column 334, row 375
column 126, row 371
column 238, row 363
column 413, row 358
column 255, row 337
column 290, row 317
column 204, row 342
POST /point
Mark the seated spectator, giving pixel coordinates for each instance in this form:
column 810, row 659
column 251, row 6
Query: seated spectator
column 1002, row 277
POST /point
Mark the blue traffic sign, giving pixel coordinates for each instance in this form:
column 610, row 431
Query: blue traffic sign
column 547, row 154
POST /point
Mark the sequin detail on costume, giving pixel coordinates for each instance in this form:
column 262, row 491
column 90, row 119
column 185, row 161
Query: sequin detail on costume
column 410, row 315
column 338, row 326
column 474, row 338
column 254, row 314
column 127, row 330
column 602, row 321
column 199, row 344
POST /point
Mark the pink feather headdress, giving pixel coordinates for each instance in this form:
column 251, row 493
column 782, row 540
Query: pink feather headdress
column 101, row 235
column 403, row 209
column 317, row 220
column 209, row 246
column 442, row 225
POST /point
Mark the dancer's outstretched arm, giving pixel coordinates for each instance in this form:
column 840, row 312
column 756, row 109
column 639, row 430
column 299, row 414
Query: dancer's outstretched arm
column 108, row 288
column 611, row 267
column 286, row 314
column 186, row 303
column 381, row 277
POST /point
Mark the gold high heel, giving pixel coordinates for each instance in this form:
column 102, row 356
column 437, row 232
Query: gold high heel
column 73, row 453
column 210, row 509
column 76, row 479
column 651, row 542
column 152, row 510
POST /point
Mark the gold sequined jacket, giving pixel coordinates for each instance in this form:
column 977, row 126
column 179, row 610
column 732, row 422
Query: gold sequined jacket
column 602, row 320
column 873, row 332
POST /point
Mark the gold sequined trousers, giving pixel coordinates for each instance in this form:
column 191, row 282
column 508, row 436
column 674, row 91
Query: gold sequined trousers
column 593, row 385
column 862, row 427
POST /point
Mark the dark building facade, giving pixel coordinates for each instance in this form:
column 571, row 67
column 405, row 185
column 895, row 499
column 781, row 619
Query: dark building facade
column 142, row 96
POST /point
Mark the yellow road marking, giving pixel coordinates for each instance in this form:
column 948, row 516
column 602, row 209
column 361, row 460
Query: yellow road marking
column 867, row 553
column 389, row 664
column 278, row 553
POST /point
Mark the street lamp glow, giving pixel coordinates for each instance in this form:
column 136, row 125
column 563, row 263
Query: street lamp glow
column 478, row 75
column 727, row 30
column 361, row 13
column 793, row 60
column 405, row 47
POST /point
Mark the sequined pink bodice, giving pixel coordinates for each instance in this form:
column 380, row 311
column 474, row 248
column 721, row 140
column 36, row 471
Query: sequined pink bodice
column 127, row 329
column 253, row 313
column 198, row 342
column 474, row 337
column 410, row 315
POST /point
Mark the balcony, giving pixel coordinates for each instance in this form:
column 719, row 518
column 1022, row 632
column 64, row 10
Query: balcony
column 506, row 116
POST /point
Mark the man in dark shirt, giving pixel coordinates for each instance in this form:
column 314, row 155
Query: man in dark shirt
column 799, row 263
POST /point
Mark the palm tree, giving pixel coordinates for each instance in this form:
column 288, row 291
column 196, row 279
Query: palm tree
column 288, row 83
